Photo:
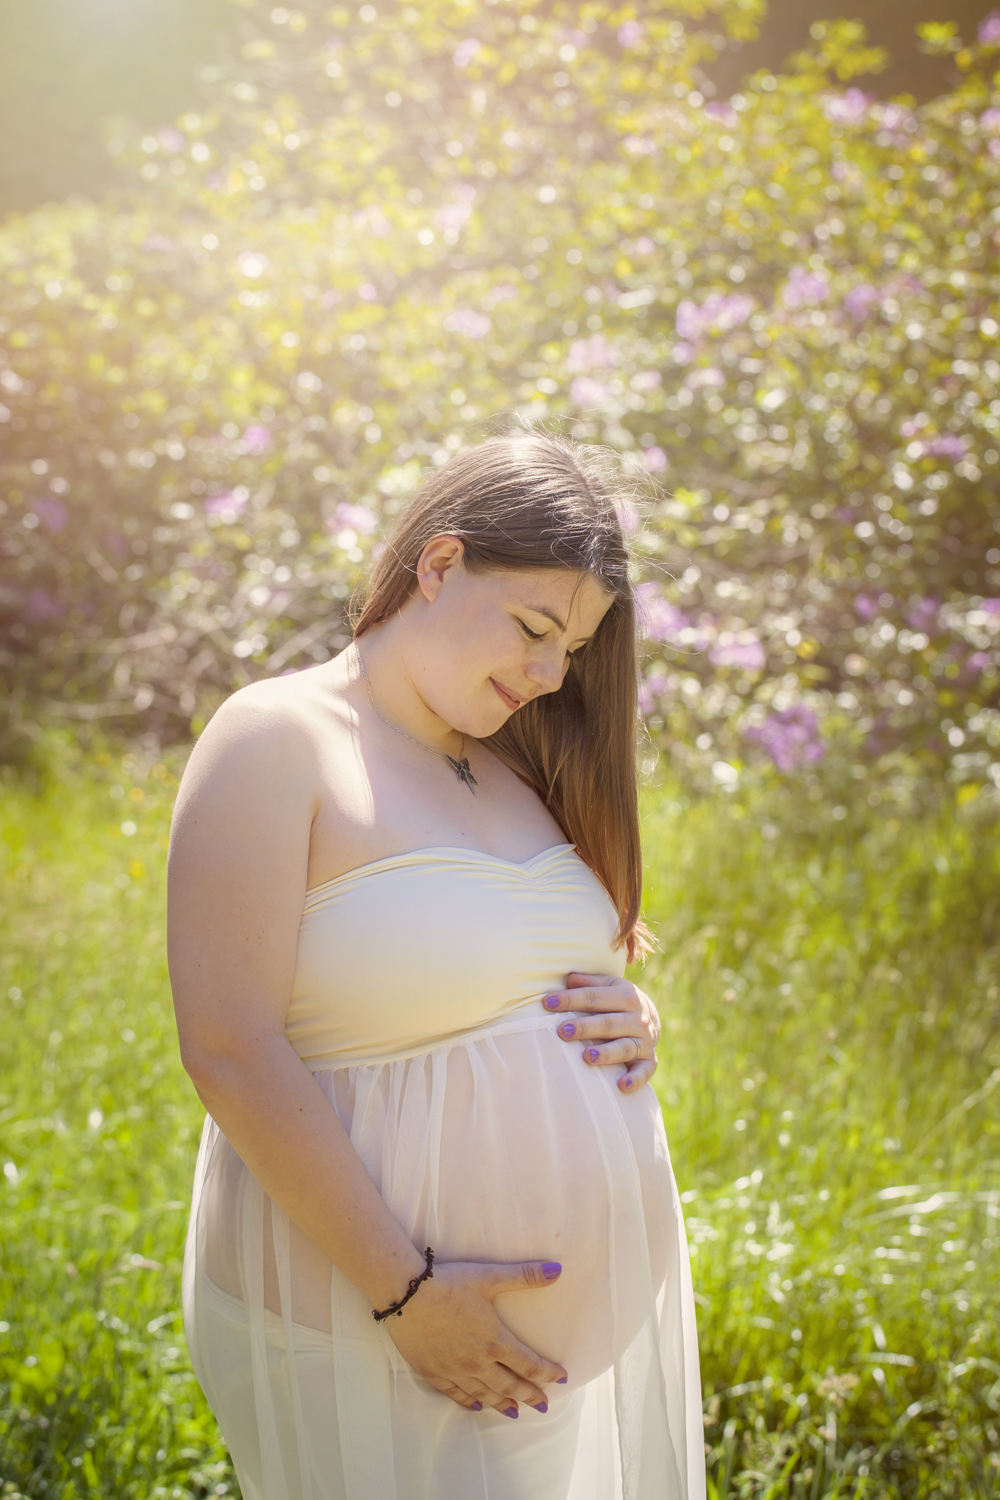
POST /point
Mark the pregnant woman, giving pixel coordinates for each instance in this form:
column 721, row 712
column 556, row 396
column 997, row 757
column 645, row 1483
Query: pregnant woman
column 404, row 885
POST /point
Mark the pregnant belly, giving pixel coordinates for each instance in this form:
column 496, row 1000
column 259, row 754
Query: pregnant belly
column 502, row 1147
column 509, row 1148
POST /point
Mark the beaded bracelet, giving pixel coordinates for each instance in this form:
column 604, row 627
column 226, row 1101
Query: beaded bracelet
column 397, row 1307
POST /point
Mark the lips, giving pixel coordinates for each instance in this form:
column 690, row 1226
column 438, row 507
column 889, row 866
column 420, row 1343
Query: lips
column 509, row 699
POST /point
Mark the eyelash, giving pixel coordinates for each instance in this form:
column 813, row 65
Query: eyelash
column 532, row 636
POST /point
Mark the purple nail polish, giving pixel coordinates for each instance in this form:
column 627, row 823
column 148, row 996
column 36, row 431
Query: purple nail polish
column 593, row 1054
column 476, row 1406
column 628, row 1083
column 542, row 1406
column 562, row 1380
column 551, row 1002
column 551, row 1269
column 567, row 1029
column 510, row 1411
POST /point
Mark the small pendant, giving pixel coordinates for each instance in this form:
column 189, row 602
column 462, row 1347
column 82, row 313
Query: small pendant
column 463, row 771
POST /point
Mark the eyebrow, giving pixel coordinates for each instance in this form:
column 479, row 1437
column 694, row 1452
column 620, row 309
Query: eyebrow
column 550, row 614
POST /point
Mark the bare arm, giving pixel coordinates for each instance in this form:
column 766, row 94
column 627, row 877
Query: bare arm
column 236, row 881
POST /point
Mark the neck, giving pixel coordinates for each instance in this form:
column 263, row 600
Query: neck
column 395, row 692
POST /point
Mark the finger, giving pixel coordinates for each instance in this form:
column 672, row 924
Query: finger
column 605, row 1026
column 627, row 1050
column 516, row 1390
column 638, row 1074
column 516, row 1276
column 574, row 979
column 523, row 1363
column 454, row 1393
column 625, row 998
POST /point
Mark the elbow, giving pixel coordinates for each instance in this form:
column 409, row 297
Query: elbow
column 218, row 1070
column 207, row 1067
column 200, row 1065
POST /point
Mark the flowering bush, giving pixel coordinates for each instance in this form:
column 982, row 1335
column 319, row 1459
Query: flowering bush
column 392, row 226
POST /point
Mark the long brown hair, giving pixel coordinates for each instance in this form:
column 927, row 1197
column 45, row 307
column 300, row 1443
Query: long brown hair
column 531, row 500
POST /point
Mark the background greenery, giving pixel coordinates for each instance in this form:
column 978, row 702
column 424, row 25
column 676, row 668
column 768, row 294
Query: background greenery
column 390, row 229
column 829, row 1071
column 68, row 68
column 376, row 233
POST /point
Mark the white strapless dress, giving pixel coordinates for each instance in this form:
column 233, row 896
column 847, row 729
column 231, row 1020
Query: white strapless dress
column 416, row 1006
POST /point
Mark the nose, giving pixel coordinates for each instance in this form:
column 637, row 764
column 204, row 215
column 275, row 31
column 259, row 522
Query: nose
column 548, row 669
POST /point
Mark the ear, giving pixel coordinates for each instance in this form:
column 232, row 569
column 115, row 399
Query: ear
column 441, row 556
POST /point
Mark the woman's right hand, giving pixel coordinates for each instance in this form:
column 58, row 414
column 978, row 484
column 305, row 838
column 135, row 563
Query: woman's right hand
column 449, row 1332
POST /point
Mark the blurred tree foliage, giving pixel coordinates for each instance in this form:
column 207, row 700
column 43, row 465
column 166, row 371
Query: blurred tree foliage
column 67, row 65
column 393, row 225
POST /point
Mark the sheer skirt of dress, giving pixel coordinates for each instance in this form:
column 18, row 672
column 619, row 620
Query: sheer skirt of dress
column 499, row 1146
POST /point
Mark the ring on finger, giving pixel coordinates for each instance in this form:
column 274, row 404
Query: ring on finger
column 638, row 1047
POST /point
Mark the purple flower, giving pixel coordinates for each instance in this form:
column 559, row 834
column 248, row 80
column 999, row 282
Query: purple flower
column 992, row 607
column 651, row 690
column 689, row 320
column 586, row 392
column 591, row 354
column 723, row 112
column 357, row 518
column 947, row 445
column 226, row 504
column 171, row 141
column 790, row 736
column 453, row 215
column 898, row 120
column 630, row 33
column 746, row 655
column 923, row 614
column 865, row 607
column 40, row 606
column 474, row 325
column 719, row 313
column 860, row 300
column 977, row 662
column 256, row 438
column 989, row 30
column 655, row 459
column 850, row 108
column 804, row 286
column 52, row 513
column 659, row 620
column 466, row 51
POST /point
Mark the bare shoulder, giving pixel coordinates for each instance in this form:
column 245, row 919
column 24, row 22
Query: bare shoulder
column 251, row 786
column 266, row 733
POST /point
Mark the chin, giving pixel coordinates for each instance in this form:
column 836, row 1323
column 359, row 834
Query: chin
column 486, row 720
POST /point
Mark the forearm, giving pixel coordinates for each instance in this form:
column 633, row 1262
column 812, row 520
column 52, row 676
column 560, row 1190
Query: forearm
column 275, row 1115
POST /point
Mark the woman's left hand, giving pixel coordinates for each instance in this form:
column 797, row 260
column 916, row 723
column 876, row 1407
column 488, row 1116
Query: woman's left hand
column 622, row 1027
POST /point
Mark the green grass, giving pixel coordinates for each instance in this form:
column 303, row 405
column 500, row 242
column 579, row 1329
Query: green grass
column 830, row 1052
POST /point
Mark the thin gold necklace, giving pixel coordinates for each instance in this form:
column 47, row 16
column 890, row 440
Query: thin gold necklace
column 461, row 766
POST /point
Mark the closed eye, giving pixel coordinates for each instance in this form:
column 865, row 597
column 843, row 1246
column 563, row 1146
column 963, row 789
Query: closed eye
column 532, row 635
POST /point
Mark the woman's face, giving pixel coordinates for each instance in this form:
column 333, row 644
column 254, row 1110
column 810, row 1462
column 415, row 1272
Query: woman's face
column 477, row 646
